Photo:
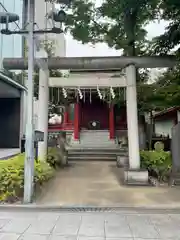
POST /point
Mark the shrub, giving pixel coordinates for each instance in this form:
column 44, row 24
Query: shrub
column 157, row 162
column 57, row 157
column 12, row 177
column 54, row 157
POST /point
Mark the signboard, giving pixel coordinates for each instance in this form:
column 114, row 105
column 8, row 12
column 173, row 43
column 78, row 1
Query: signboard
column 38, row 136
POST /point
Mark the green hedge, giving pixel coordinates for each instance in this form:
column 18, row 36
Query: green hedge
column 56, row 157
column 158, row 162
column 12, row 177
column 53, row 157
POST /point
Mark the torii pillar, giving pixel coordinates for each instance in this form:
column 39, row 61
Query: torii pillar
column 43, row 112
column 133, row 175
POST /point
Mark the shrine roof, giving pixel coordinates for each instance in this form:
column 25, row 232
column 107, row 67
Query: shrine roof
column 166, row 112
column 10, row 81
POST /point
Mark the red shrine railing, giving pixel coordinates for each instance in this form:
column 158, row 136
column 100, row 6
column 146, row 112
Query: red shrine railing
column 60, row 127
column 70, row 126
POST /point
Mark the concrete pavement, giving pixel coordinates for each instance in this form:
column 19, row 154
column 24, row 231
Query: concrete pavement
column 6, row 153
column 34, row 224
column 96, row 183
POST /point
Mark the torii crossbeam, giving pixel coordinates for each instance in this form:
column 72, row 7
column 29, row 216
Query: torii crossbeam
column 94, row 63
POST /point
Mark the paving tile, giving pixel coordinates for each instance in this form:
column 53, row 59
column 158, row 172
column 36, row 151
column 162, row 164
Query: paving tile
column 49, row 216
column 6, row 215
column 141, row 227
column 175, row 218
column 118, row 218
column 166, row 226
column 92, row 226
column 22, row 215
column 90, row 238
column 41, row 227
column 97, row 218
column 116, row 227
column 9, row 236
column 150, row 239
column 34, row 237
column 125, row 239
column 16, row 226
column 160, row 219
column 91, row 230
column 56, row 237
column 67, row 225
column 168, row 231
column 3, row 222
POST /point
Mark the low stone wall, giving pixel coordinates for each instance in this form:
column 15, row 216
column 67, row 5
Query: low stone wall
column 57, row 153
column 122, row 161
column 61, row 145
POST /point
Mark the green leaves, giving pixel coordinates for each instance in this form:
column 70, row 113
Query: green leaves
column 121, row 24
column 168, row 87
column 118, row 23
column 158, row 162
column 12, row 177
column 165, row 43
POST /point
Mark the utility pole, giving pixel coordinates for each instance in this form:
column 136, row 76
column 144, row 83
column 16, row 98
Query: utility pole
column 29, row 153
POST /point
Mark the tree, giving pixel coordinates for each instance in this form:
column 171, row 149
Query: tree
column 168, row 85
column 168, row 43
column 170, row 39
column 120, row 24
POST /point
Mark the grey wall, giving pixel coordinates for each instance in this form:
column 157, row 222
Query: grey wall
column 9, row 122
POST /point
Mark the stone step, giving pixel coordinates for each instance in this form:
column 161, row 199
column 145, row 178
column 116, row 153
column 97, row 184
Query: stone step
column 91, row 153
column 95, row 142
column 91, row 158
column 97, row 147
column 96, row 139
column 94, row 134
column 98, row 154
column 102, row 141
column 96, row 151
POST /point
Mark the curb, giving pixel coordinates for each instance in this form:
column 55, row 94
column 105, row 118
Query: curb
column 175, row 208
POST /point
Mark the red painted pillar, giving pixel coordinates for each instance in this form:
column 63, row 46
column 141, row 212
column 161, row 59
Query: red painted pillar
column 76, row 121
column 66, row 116
column 111, row 122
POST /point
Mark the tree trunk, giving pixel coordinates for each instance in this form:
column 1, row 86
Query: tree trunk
column 150, row 131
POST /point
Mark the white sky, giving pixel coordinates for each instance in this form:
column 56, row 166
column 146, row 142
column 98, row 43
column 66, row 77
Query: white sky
column 76, row 49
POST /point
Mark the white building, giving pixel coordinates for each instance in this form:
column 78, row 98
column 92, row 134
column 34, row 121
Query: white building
column 165, row 120
column 10, row 46
column 42, row 8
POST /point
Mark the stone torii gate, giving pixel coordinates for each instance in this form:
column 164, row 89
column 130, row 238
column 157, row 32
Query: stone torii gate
column 99, row 64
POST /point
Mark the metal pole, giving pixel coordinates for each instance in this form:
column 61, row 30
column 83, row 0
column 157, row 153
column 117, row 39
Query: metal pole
column 29, row 148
